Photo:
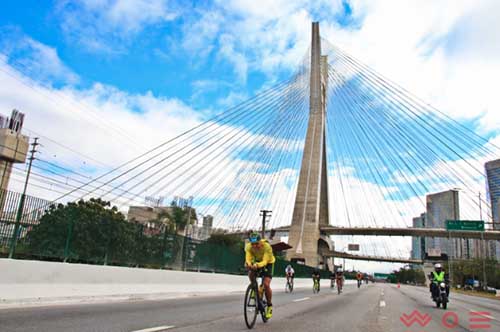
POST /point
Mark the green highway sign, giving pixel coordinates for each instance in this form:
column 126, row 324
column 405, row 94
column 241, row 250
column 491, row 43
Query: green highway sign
column 465, row 225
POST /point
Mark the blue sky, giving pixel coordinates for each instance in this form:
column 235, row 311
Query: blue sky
column 171, row 51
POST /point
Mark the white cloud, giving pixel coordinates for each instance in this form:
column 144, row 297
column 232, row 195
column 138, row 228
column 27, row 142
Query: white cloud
column 444, row 52
column 232, row 99
column 102, row 122
column 108, row 25
column 34, row 58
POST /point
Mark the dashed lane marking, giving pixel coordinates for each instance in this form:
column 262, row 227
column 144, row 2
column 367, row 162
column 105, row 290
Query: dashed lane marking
column 382, row 304
column 156, row 329
column 302, row 299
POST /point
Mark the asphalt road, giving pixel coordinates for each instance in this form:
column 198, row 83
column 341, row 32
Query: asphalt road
column 375, row 307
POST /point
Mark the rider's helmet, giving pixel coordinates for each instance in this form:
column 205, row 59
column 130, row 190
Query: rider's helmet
column 288, row 267
column 254, row 237
column 438, row 267
column 316, row 270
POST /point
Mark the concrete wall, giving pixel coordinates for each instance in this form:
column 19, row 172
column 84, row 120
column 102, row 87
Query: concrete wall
column 35, row 282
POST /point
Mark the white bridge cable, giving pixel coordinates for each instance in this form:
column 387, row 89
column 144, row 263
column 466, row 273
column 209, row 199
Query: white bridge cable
column 230, row 143
column 194, row 177
column 237, row 111
column 248, row 186
column 341, row 113
column 465, row 170
column 224, row 197
column 362, row 146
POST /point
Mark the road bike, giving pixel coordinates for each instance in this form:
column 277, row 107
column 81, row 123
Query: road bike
column 339, row 286
column 255, row 302
column 289, row 285
column 315, row 286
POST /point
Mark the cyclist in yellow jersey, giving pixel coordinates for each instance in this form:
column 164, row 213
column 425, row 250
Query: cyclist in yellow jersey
column 259, row 258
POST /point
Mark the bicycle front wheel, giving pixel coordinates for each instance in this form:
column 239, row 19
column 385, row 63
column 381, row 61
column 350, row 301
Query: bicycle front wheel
column 250, row 306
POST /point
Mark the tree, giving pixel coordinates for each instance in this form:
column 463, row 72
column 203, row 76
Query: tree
column 92, row 231
column 176, row 219
column 409, row 275
column 226, row 240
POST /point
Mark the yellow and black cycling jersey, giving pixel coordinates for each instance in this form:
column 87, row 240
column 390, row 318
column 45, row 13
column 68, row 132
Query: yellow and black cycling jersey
column 261, row 256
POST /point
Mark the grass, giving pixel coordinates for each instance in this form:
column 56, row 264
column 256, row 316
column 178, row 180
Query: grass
column 476, row 293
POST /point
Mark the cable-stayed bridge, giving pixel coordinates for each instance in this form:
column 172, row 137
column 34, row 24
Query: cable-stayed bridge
column 336, row 149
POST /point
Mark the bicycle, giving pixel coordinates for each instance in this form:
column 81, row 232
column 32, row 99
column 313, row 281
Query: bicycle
column 254, row 302
column 339, row 286
column 289, row 285
column 316, row 286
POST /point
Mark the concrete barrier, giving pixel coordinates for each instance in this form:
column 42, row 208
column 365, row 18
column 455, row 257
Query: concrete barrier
column 24, row 282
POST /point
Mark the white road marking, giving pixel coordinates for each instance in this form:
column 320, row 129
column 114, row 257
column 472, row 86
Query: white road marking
column 155, row 329
column 382, row 303
column 302, row 299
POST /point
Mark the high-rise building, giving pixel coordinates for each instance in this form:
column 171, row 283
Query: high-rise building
column 493, row 191
column 418, row 243
column 441, row 207
column 206, row 227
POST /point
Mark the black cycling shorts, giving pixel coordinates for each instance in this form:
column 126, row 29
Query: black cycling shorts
column 267, row 271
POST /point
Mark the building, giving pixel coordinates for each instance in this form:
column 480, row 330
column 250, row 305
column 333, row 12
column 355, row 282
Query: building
column 418, row 243
column 493, row 192
column 206, row 227
column 441, row 207
column 13, row 149
column 151, row 218
column 13, row 146
column 147, row 216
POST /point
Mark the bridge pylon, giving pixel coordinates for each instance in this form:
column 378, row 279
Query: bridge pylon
column 311, row 201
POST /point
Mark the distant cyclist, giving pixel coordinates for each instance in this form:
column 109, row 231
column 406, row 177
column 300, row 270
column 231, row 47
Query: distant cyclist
column 290, row 274
column 316, row 276
column 259, row 259
column 359, row 278
column 332, row 279
column 339, row 278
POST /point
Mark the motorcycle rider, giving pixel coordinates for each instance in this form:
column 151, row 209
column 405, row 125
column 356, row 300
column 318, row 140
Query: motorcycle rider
column 436, row 277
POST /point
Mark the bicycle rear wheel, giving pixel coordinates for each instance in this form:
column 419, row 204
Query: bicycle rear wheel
column 250, row 306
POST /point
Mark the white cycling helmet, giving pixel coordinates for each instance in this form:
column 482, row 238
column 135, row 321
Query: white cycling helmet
column 437, row 266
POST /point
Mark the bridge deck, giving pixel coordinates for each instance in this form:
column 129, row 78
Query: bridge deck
column 339, row 254
column 423, row 232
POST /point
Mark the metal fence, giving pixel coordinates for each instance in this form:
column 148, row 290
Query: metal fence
column 33, row 210
column 120, row 243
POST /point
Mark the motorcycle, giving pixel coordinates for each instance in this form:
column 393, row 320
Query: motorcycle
column 442, row 297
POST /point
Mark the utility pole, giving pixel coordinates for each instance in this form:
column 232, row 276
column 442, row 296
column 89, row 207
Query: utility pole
column 264, row 214
column 19, row 215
